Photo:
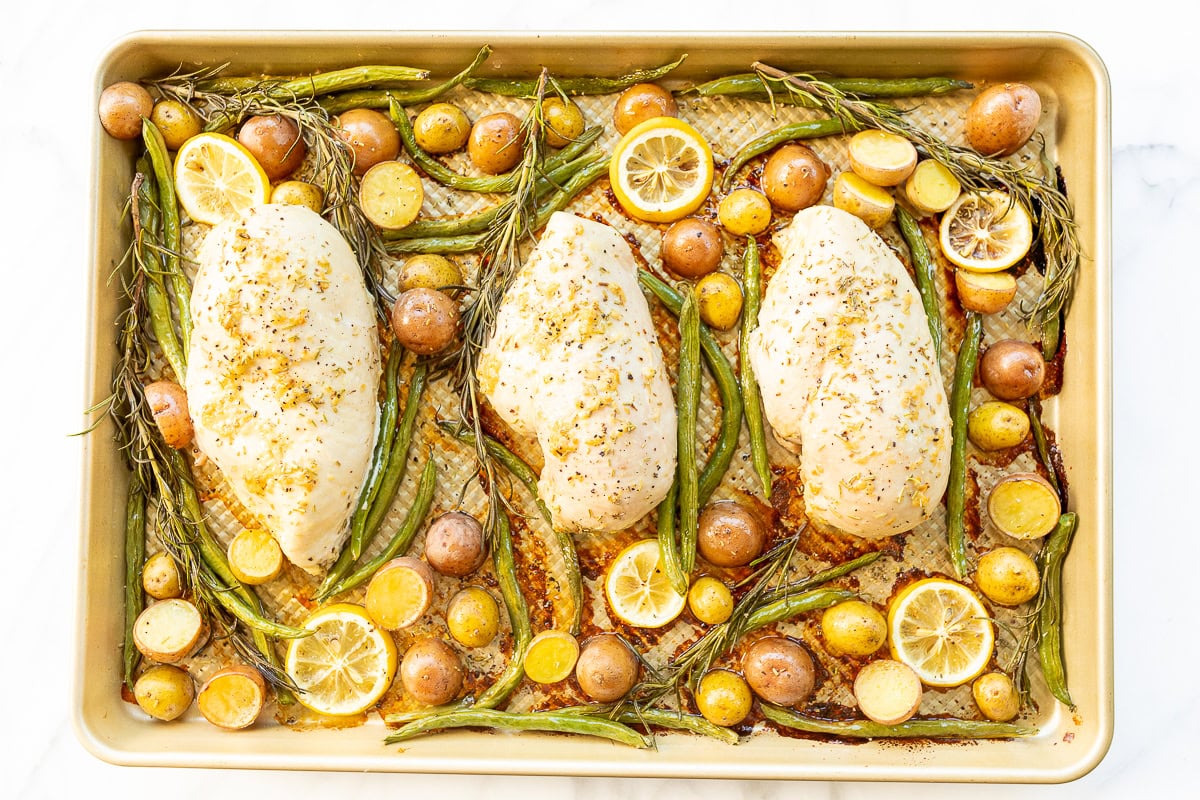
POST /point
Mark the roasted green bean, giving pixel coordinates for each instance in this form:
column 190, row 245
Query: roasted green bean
column 790, row 605
column 510, row 87
column 383, row 450
column 548, row 721
column 687, row 387
column 322, row 83
column 822, row 577
column 168, row 209
column 135, row 555
column 378, row 98
column 668, row 546
column 924, row 270
column 1042, row 445
column 404, row 535
column 676, row 720
column 1050, row 608
column 813, row 129
column 750, row 86
column 945, row 728
column 149, row 248
column 960, row 407
column 727, row 389
column 518, row 615
column 751, row 398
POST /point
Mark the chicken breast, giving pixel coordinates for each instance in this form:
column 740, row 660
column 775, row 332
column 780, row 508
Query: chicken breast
column 283, row 374
column 574, row 361
column 849, row 377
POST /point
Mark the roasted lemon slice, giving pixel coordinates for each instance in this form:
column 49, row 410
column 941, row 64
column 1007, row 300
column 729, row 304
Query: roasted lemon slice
column 346, row 665
column 941, row 629
column 662, row 170
column 216, row 178
column 986, row 232
column 638, row 589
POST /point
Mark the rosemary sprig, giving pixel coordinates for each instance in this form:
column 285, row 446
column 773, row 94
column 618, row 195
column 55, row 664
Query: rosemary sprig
column 1047, row 203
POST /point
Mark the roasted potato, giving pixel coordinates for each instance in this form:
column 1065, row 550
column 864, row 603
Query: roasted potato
column 168, row 403
column 882, row 158
column 779, row 671
column 607, row 669
column 399, row 593
column 429, row 271
column 275, row 143
column 853, row 628
column 390, row 195
column 997, row 426
column 160, row 577
column 176, row 122
column 996, row 696
column 564, row 121
column 299, row 193
column 122, row 106
column 985, row 292
column 1012, row 369
column 1007, row 576
column 710, row 600
column 723, row 697
column 164, row 692
column 169, row 631
column 692, row 248
column 744, row 211
column 431, row 672
column 730, row 535
column 641, row 102
column 1024, row 506
column 794, row 178
column 1003, row 118
column 932, row 188
column 371, row 136
column 233, row 697
column 720, row 300
column 887, row 691
column 473, row 617
column 425, row 321
column 441, row 128
column 496, row 142
column 454, row 544
column 870, row 203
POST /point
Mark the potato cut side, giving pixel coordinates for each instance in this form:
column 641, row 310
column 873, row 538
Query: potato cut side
column 400, row 593
column 255, row 557
column 931, row 188
column 887, row 691
column 391, row 195
column 884, row 159
column 867, row 201
column 1024, row 506
column 985, row 292
column 232, row 698
column 169, row 631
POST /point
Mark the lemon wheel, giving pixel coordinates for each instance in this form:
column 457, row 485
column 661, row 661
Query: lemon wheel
column 347, row 663
column 216, row 178
column 661, row 170
column 941, row 629
column 986, row 232
column 638, row 589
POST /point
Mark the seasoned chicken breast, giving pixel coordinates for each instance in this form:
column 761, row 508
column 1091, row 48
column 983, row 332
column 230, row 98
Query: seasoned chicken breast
column 574, row 361
column 283, row 374
column 849, row 377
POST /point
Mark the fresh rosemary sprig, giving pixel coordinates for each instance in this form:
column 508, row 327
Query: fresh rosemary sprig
column 1055, row 219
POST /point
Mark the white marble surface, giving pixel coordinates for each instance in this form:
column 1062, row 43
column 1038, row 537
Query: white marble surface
column 48, row 52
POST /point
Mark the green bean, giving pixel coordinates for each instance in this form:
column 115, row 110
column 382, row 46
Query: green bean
column 676, row 720
column 135, row 555
column 389, row 484
column 687, row 387
column 404, row 535
column 322, row 83
column 383, row 450
column 566, row 543
column 1050, row 608
column 548, row 721
column 1042, row 445
column 727, row 389
column 467, row 244
column 960, row 406
column 813, row 129
column 375, row 98
column 510, row 87
column 518, row 615
column 791, row 605
column 149, row 231
column 946, row 728
column 751, row 398
column 748, row 85
column 924, row 269
column 668, row 547
column 819, row 578
column 160, row 162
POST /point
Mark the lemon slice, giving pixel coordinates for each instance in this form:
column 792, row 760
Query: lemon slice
column 216, row 178
column 638, row 589
column 346, row 665
column 551, row 656
column 986, row 232
column 661, row 170
column 941, row 629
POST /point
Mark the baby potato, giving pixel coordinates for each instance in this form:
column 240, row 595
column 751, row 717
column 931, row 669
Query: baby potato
column 169, row 631
column 931, row 188
column 299, row 193
column 853, row 628
column 431, row 672
column 779, row 671
column 744, row 211
column 882, row 158
column 710, row 600
column 997, row 425
column 454, row 544
column 641, row 102
column 1012, row 369
column 1003, row 118
column 176, row 122
column 887, row 691
column 729, row 534
column 275, row 143
column 564, row 121
column 720, row 300
column 255, row 557
column 692, row 248
column 723, row 697
column 794, row 177
column 429, row 271
column 1024, row 506
column 996, row 696
column 233, row 697
column 870, row 203
column 1007, row 576
column 473, row 617
column 390, row 195
column 122, row 106
column 441, row 128
column 168, row 403
column 400, row 593
column 606, row 669
column 371, row 136
column 164, row 692
column 495, row 143
column 425, row 321
column 985, row 292
column 160, row 577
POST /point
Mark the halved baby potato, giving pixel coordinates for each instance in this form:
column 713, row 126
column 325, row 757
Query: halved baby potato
column 255, row 557
column 1024, row 506
column 169, row 631
column 931, row 188
column 887, row 691
column 865, row 200
column 391, row 195
column 884, row 159
column 985, row 292
column 233, row 697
